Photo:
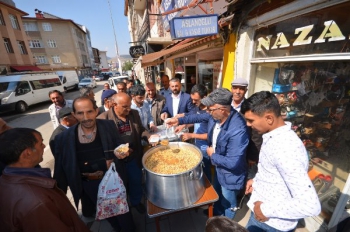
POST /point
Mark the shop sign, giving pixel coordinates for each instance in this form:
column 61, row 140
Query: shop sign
column 194, row 26
column 314, row 33
column 136, row 51
column 168, row 5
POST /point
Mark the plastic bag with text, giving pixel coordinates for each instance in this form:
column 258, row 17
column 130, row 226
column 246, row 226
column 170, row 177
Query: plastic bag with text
column 111, row 197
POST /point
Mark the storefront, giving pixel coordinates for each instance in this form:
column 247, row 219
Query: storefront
column 304, row 58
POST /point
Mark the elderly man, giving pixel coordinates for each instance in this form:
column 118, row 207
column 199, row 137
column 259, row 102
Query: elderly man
column 121, row 87
column 239, row 87
column 228, row 139
column 58, row 102
column 138, row 103
column 83, row 154
column 107, row 101
column 165, row 91
column 155, row 101
column 29, row 197
column 106, row 86
column 66, row 120
column 176, row 103
column 282, row 191
column 130, row 130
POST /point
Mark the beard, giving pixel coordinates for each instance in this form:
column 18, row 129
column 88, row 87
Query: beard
column 175, row 91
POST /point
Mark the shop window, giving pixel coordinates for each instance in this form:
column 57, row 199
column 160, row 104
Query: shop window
column 315, row 96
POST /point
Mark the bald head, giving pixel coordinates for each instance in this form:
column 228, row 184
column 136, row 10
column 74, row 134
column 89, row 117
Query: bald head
column 122, row 104
column 119, row 97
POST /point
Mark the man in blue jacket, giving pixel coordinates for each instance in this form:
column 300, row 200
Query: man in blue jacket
column 228, row 140
column 176, row 103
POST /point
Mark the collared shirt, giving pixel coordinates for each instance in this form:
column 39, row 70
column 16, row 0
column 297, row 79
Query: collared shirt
column 144, row 112
column 165, row 92
column 85, row 138
column 176, row 102
column 237, row 108
column 106, row 109
column 282, row 183
column 216, row 132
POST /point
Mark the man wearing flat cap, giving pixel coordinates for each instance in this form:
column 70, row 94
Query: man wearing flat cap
column 66, row 120
column 106, row 100
column 239, row 87
column 228, row 139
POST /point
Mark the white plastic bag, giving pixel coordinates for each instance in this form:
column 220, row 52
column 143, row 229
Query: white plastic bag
column 111, row 197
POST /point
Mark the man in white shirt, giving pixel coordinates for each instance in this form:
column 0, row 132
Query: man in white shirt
column 58, row 102
column 281, row 191
column 138, row 103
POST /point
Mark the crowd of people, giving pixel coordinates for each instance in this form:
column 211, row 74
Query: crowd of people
column 251, row 149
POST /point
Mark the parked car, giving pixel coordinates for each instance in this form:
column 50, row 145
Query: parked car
column 98, row 78
column 69, row 79
column 87, row 82
column 112, row 81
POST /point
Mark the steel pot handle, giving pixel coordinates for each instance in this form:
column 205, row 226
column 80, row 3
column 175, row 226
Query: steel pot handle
column 192, row 175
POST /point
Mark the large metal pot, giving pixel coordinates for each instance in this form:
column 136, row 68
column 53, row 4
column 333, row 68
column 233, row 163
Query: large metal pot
column 174, row 191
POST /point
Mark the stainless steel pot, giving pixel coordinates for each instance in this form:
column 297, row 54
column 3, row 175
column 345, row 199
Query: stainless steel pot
column 174, row 191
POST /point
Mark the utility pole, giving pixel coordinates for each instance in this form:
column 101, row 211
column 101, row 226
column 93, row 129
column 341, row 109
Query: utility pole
column 115, row 39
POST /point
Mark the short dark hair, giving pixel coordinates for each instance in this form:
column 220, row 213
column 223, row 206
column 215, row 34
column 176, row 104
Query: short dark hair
column 84, row 98
column 137, row 90
column 174, row 79
column 55, row 91
column 121, row 83
column 164, row 75
column 200, row 89
column 178, row 76
column 222, row 223
column 260, row 103
column 14, row 141
column 128, row 81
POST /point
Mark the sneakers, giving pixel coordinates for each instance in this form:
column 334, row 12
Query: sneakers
column 140, row 208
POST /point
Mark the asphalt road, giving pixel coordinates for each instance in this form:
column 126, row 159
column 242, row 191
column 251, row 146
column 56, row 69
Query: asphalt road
column 37, row 117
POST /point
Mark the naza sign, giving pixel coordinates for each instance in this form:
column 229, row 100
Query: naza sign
column 194, row 26
column 136, row 51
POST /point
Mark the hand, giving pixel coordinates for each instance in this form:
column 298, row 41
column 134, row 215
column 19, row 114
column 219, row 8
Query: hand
column 123, row 155
column 210, row 151
column 108, row 163
column 179, row 128
column 164, row 116
column 187, row 136
column 249, row 187
column 258, row 213
column 172, row 122
column 153, row 128
column 179, row 115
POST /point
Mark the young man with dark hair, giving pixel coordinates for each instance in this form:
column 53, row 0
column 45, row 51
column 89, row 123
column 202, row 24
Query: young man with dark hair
column 137, row 93
column 58, row 102
column 282, row 191
column 29, row 197
column 223, row 224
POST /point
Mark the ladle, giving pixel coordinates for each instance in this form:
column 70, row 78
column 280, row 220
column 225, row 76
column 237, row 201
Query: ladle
column 166, row 143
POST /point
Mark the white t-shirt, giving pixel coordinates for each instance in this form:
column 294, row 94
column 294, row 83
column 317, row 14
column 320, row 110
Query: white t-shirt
column 176, row 102
column 216, row 132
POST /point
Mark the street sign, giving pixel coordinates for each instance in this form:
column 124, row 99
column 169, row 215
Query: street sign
column 136, row 51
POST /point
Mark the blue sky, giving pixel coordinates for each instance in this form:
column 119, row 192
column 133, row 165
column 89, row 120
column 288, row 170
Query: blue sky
column 94, row 14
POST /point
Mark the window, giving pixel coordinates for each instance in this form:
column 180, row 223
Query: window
column 2, row 21
column 8, row 45
column 30, row 26
column 22, row 47
column 14, row 22
column 41, row 59
column 52, row 43
column 84, row 58
column 47, row 27
column 35, row 43
column 46, row 83
column 81, row 46
column 79, row 34
column 23, row 88
column 56, row 59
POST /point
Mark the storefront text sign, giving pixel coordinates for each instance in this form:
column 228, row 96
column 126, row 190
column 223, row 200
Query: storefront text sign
column 136, row 51
column 308, row 34
column 194, row 26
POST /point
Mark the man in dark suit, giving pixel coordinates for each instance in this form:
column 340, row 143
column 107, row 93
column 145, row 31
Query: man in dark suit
column 106, row 100
column 176, row 103
column 66, row 120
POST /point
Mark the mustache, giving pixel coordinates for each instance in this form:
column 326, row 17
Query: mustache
column 87, row 121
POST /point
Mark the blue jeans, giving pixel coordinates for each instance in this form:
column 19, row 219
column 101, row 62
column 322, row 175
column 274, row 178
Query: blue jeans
column 227, row 200
column 256, row 226
column 206, row 162
column 134, row 187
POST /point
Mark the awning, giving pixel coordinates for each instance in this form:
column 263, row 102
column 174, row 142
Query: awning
column 26, row 68
column 158, row 57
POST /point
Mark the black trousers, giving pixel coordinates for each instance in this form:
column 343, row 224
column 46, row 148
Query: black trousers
column 89, row 200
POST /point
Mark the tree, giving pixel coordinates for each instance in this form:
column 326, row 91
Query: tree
column 127, row 66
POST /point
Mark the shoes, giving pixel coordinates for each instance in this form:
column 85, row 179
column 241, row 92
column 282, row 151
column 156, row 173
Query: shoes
column 140, row 208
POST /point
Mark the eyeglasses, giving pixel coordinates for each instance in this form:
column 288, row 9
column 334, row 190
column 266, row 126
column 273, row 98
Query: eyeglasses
column 212, row 110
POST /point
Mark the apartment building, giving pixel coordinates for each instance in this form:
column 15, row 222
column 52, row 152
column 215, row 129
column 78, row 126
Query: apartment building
column 15, row 52
column 57, row 44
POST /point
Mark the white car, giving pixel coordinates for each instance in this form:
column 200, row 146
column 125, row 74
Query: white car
column 97, row 78
column 87, row 82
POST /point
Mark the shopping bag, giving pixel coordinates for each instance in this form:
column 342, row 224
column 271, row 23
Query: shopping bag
column 111, row 197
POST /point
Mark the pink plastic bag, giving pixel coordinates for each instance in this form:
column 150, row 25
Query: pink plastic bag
column 111, row 197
